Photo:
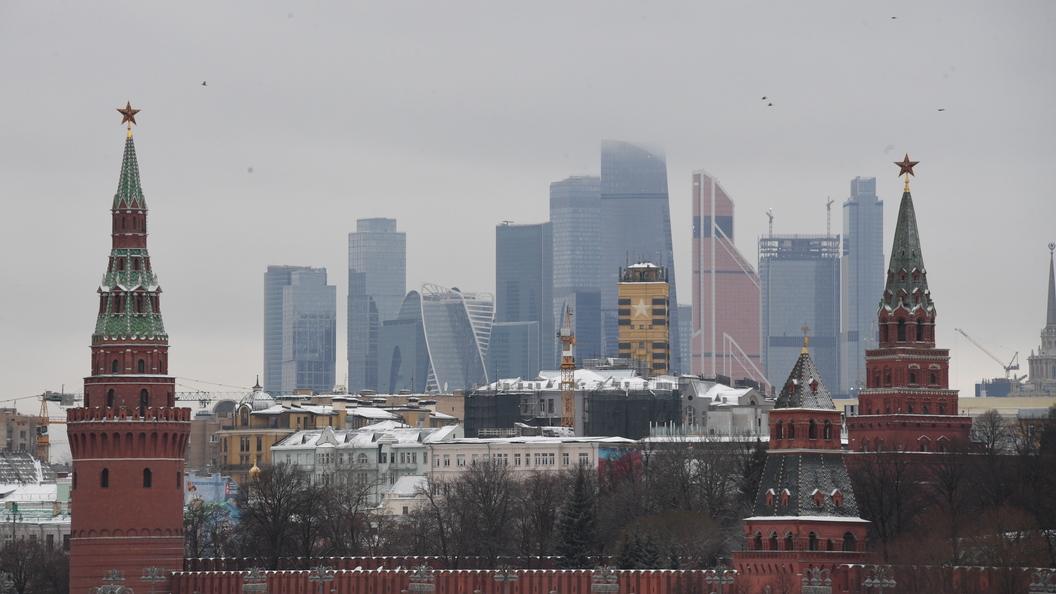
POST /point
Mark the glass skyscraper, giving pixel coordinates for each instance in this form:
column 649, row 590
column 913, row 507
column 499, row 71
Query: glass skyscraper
column 300, row 330
column 403, row 356
column 636, row 227
column 377, row 282
column 457, row 333
column 725, row 290
column 800, row 277
column 862, row 272
column 575, row 214
column 523, row 291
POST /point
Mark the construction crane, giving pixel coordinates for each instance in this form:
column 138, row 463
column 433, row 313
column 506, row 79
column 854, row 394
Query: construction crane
column 1012, row 365
column 568, row 371
column 770, row 215
column 43, row 439
column 828, row 216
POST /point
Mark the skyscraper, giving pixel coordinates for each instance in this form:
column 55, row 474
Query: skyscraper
column 1043, row 364
column 403, row 356
column 377, row 282
column 300, row 330
column 862, row 279
column 643, row 314
column 725, row 290
column 457, row 329
column 128, row 441
column 523, row 290
column 575, row 214
column 800, row 277
column 636, row 226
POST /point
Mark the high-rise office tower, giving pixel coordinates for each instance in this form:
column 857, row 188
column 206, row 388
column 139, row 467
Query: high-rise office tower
column 636, row 225
column 457, row 330
column 643, row 317
column 800, row 277
column 403, row 359
column 128, row 441
column 575, row 214
column 300, row 330
column 685, row 334
column 862, row 279
column 524, row 280
column 377, row 282
column 725, row 290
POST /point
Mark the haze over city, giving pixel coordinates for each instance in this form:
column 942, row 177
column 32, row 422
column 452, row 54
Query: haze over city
column 268, row 129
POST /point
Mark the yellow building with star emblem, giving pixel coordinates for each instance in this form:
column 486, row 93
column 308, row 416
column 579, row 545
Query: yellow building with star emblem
column 644, row 316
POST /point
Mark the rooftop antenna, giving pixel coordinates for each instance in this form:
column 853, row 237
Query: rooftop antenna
column 828, row 217
column 770, row 215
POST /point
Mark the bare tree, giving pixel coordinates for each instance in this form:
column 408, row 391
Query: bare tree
column 269, row 509
column 992, row 433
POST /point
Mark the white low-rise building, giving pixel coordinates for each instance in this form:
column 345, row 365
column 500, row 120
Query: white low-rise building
column 524, row 454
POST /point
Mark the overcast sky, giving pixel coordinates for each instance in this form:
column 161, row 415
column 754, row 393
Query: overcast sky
column 453, row 116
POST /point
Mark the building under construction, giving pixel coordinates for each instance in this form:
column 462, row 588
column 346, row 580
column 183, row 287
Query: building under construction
column 614, row 403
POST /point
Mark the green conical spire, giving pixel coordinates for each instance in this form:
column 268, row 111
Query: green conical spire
column 906, row 270
column 129, row 192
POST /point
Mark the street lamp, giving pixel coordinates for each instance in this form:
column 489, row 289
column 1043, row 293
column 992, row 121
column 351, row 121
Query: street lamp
column 505, row 574
column 1042, row 581
column 255, row 580
column 422, row 579
column 321, row 574
column 152, row 575
column 721, row 577
column 816, row 581
column 113, row 583
column 878, row 577
column 604, row 580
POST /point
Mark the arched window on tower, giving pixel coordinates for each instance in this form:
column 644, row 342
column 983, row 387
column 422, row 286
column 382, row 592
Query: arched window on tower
column 148, row 478
column 114, row 366
column 110, row 398
column 791, row 430
column 812, row 542
column 773, row 541
column 849, row 542
column 758, row 541
column 134, row 223
column 779, row 430
column 789, row 544
column 144, row 398
column 142, row 366
column 828, row 430
column 104, row 478
column 812, row 430
column 920, row 331
column 901, row 331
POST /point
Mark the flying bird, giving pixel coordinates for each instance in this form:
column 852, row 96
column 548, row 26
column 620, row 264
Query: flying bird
column 942, row 109
column 764, row 98
column 203, row 83
column 769, row 104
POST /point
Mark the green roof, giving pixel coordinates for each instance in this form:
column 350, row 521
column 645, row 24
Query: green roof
column 129, row 191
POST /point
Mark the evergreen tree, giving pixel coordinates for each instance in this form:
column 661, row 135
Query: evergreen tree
column 576, row 530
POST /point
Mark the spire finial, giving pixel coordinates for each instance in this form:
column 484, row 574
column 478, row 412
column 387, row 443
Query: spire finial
column 906, row 166
column 128, row 115
column 806, row 339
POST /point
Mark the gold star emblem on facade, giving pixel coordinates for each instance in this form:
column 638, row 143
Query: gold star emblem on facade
column 641, row 310
column 906, row 166
column 128, row 114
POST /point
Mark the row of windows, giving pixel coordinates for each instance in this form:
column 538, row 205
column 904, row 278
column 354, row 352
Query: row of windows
column 137, row 263
column 540, row 459
column 139, row 302
column 782, row 431
column 135, row 223
column 148, row 479
column 849, row 542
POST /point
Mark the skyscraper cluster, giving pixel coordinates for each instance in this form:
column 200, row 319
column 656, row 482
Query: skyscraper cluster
column 742, row 325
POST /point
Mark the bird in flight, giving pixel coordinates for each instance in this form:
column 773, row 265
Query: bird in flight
column 942, row 109
column 203, row 84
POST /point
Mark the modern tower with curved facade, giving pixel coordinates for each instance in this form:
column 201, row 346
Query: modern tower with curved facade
column 457, row 332
column 636, row 227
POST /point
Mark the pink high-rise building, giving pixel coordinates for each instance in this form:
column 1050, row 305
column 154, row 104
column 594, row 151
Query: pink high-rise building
column 725, row 290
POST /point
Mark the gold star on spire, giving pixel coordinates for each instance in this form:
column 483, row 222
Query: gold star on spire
column 906, row 167
column 806, row 340
column 128, row 115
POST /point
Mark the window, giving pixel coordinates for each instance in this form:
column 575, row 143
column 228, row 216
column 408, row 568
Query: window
column 436, row 461
column 791, row 430
column 147, row 478
column 405, row 510
column 447, row 459
column 110, row 398
column 565, row 459
column 142, row 366
column 849, row 542
column 516, row 459
column 779, row 430
column 773, row 541
column 475, row 457
column 901, row 331
column 827, row 433
column 104, row 478
column 812, row 542
column 788, row 541
column 812, row 430
column 460, row 459
column 361, row 459
column 144, row 398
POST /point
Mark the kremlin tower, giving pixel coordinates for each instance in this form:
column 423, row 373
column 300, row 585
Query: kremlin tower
column 128, row 440
column 907, row 403
column 805, row 523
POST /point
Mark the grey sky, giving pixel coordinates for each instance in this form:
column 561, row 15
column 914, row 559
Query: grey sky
column 453, row 116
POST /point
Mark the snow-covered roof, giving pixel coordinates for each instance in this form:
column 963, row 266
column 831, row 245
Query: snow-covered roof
column 408, row 486
column 365, row 437
column 588, row 379
column 541, row 439
column 370, row 412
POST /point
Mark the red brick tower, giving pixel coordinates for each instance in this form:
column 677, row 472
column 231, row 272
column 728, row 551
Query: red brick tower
column 806, row 515
column 907, row 402
column 128, row 440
